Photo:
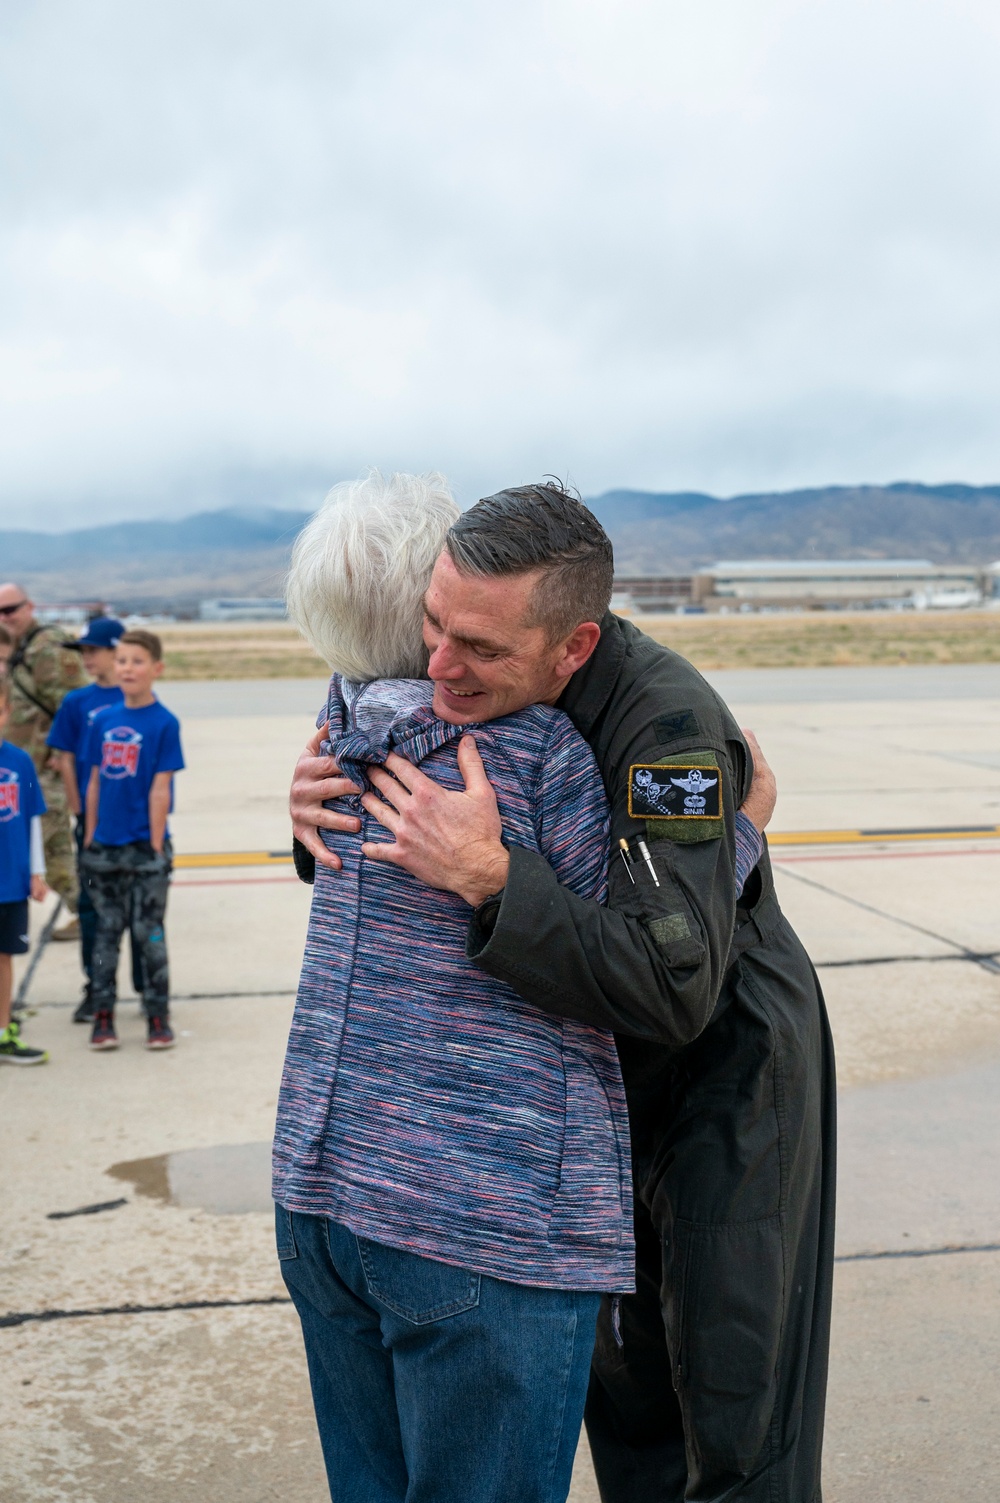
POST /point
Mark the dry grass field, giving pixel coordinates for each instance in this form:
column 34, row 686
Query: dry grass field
column 831, row 639
column 812, row 640
column 251, row 649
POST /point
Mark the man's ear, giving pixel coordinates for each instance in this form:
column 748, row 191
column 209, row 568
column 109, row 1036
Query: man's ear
column 577, row 648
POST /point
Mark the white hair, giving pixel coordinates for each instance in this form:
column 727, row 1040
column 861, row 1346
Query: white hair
column 360, row 568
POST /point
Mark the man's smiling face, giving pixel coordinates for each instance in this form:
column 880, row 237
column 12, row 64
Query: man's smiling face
column 485, row 662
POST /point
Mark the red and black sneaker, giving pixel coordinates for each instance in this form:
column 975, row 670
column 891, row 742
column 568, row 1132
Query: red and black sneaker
column 160, row 1035
column 103, row 1035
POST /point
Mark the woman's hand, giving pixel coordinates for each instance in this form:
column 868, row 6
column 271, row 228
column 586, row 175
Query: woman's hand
column 758, row 806
column 315, row 781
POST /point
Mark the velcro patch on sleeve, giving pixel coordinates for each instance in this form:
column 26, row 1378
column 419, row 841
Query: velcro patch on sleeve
column 659, row 790
column 671, row 933
column 669, row 928
column 664, row 791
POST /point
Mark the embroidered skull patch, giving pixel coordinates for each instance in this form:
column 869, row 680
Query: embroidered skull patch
column 658, row 791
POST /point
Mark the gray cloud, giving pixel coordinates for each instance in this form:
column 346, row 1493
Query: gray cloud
column 249, row 249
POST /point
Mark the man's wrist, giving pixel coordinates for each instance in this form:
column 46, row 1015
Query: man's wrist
column 490, row 879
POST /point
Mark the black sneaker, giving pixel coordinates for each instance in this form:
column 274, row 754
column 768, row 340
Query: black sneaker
column 13, row 1052
column 102, row 1035
column 85, row 1012
column 160, row 1035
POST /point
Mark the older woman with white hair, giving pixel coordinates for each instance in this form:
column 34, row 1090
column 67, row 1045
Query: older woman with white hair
column 451, row 1164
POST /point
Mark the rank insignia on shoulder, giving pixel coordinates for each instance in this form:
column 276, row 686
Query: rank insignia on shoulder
column 659, row 791
column 672, row 727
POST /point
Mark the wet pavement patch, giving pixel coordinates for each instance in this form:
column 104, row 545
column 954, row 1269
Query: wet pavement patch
column 229, row 1179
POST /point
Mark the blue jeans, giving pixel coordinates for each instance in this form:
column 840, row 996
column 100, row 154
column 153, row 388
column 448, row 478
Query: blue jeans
column 433, row 1384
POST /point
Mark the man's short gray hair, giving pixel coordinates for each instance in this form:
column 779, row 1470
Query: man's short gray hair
column 547, row 528
column 360, row 568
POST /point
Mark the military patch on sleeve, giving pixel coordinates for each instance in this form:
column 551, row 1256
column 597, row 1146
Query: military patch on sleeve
column 657, row 791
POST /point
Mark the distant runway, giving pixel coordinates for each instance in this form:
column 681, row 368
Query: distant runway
column 739, row 686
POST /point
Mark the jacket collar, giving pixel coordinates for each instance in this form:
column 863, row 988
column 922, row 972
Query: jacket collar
column 413, row 732
column 588, row 691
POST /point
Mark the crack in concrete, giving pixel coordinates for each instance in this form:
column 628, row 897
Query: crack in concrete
column 986, row 962
column 22, row 1317
column 917, row 1252
column 975, row 957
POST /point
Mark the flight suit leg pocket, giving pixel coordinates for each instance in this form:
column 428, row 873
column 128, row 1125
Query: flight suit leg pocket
column 724, row 1301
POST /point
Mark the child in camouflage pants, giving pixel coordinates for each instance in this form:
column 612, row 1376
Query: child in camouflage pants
column 134, row 751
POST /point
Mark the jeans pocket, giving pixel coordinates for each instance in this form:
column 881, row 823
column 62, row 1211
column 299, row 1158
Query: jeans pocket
column 421, row 1290
column 284, row 1233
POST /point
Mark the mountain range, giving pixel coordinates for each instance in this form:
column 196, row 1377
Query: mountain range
column 659, row 533
column 244, row 550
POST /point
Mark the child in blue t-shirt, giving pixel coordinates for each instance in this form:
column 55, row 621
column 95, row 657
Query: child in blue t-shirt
column 133, row 753
column 22, row 875
column 70, row 734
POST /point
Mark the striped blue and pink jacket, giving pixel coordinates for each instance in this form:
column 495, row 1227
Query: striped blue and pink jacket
column 423, row 1103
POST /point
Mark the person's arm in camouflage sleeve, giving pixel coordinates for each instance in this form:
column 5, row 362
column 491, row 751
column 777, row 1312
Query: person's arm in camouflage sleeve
column 55, row 669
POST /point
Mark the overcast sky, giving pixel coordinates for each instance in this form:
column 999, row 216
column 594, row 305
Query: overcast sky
column 248, row 249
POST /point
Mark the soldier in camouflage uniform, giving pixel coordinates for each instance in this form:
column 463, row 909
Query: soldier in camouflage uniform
column 42, row 669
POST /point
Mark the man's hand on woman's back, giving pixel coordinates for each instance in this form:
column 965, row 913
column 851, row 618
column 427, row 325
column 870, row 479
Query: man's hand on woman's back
column 452, row 841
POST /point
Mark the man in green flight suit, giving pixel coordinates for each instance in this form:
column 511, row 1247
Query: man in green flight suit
column 43, row 668
column 709, row 1382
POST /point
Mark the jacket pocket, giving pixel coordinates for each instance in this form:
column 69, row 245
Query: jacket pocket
column 593, row 1205
column 723, row 1307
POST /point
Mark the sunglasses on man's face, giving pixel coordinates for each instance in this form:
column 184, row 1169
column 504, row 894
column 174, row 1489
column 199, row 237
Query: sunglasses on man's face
column 8, row 610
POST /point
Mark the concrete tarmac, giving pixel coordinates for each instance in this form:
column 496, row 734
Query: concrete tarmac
column 198, row 1391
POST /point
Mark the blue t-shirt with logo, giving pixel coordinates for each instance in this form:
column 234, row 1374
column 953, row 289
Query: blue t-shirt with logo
column 71, row 728
column 20, row 800
column 129, row 747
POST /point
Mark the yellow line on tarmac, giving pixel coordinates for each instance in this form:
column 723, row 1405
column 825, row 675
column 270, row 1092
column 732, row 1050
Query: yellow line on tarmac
column 781, row 837
column 882, row 837
column 235, row 858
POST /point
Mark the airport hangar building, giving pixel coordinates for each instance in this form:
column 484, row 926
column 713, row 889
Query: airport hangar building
column 812, row 584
